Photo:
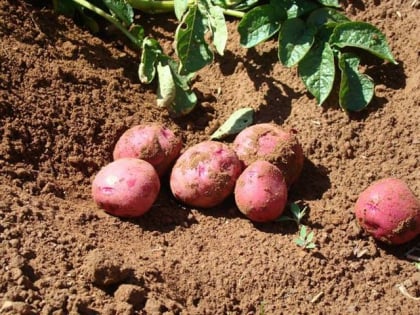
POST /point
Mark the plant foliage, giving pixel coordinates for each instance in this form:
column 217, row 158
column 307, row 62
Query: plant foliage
column 314, row 36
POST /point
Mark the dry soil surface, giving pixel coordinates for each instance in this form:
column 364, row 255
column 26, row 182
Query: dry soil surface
column 65, row 97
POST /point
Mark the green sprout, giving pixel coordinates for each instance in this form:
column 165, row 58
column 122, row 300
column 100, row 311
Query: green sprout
column 304, row 239
column 297, row 214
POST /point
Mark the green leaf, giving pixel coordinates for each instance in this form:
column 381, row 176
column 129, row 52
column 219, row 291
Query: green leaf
column 259, row 24
column 242, row 4
column 356, row 89
column 310, row 246
column 150, row 51
column 90, row 22
column 121, row 9
column 310, row 237
column 325, row 20
column 180, row 7
column 295, row 40
column 181, row 80
column 166, row 89
column 297, row 212
column 302, row 232
column 236, row 122
column 185, row 101
column 138, row 32
column 362, row 35
column 65, row 7
column 295, row 209
column 173, row 91
column 284, row 218
column 300, row 242
column 322, row 16
column 317, row 70
column 191, row 47
column 235, row 4
column 330, row 3
column 218, row 27
column 295, row 8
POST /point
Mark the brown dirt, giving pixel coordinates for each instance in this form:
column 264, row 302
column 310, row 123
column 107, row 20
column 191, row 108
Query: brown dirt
column 65, row 97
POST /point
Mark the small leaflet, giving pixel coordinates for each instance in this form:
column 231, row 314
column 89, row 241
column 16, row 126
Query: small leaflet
column 236, row 122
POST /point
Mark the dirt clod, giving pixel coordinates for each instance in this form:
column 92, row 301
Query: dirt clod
column 105, row 268
column 16, row 308
column 131, row 294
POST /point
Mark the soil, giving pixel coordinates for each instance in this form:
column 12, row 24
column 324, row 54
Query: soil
column 66, row 95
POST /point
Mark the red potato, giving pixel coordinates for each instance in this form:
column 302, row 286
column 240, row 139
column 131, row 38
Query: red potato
column 271, row 143
column 261, row 192
column 205, row 174
column 126, row 187
column 153, row 143
column 389, row 211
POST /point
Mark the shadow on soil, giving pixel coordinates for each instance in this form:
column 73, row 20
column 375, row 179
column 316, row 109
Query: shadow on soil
column 312, row 183
column 167, row 214
column 52, row 29
column 400, row 251
column 388, row 74
column 391, row 76
column 278, row 96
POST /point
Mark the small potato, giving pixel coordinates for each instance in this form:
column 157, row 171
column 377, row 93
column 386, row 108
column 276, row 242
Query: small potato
column 153, row 143
column 261, row 192
column 271, row 143
column 126, row 187
column 389, row 211
column 205, row 174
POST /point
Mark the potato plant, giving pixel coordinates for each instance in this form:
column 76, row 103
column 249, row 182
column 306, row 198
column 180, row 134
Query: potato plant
column 313, row 35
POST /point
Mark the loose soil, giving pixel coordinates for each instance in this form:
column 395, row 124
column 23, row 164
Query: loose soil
column 65, row 97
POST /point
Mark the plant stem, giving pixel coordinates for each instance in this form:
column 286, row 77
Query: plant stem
column 109, row 18
column 154, row 7
column 234, row 13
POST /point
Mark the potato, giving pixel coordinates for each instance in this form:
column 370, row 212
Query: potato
column 389, row 211
column 205, row 174
column 261, row 192
column 271, row 143
column 153, row 143
column 126, row 187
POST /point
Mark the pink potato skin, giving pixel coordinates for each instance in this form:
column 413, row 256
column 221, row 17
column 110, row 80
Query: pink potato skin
column 126, row 187
column 205, row 174
column 271, row 143
column 153, row 143
column 389, row 211
column 261, row 192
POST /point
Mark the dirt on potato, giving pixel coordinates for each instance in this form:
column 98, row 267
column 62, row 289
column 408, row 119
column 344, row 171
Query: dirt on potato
column 271, row 143
column 66, row 95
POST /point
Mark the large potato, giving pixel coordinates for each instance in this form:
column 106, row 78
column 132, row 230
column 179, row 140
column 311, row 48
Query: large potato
column 205, row 174
column 126, row 187
column 271, row 143
column 261, row 192
column 153, row 143
column 389, row 211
